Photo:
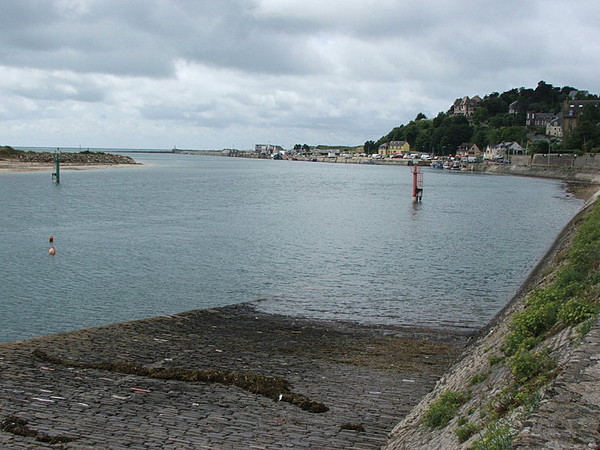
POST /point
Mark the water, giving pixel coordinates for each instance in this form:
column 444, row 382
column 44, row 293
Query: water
column 317, row 240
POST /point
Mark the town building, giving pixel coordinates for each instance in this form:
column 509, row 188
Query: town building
column 392, row 147
column 555, row 127
column 468, row 150
column 267, row 149
column 538, row 119
column 466, row 106
column 571, row 111
column 502, row 150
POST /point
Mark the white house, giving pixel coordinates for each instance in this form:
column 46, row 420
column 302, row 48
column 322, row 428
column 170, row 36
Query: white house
column 502, row 150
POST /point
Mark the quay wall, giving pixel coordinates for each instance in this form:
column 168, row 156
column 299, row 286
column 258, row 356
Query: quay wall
column 568, row 412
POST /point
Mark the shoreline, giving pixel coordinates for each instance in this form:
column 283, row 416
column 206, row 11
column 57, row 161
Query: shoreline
column 11, row 167
column 565, row 413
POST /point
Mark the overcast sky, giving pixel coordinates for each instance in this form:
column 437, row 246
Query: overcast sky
column 207, row 74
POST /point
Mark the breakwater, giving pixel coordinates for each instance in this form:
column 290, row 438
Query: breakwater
column 74, row 158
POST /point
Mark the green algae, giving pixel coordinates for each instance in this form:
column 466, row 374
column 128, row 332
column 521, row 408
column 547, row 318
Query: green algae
column 274, row 388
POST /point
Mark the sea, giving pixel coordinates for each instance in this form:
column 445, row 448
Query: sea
column 317, row 240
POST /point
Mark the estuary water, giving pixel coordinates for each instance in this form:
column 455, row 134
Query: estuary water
column 328, row 241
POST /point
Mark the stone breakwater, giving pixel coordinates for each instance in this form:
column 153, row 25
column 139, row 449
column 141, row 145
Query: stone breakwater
column 230, row 377
column 82, row 158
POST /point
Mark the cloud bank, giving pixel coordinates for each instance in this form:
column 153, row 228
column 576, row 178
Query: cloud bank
column 205, row 74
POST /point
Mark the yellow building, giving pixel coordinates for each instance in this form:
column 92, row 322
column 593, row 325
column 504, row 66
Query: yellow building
column 389, row 148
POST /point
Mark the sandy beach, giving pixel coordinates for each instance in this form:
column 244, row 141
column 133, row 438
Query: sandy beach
column 12, row 166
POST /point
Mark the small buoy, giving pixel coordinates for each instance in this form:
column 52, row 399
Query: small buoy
column 51, row 239
column 52, row 251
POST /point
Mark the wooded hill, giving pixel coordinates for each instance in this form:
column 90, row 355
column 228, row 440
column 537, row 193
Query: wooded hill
column 502, row 117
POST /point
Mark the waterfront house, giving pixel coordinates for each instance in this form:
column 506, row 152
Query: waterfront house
column 267, row 149
column 468, row 149
column 392, row 147
column 502, row 150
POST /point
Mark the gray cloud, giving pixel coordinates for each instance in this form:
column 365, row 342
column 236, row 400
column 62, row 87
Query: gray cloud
column 336, row 72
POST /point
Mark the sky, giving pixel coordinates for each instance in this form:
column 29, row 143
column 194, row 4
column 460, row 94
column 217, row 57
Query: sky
column 213, row 74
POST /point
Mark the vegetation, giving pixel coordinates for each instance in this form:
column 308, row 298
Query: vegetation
column 465, row 431
column 274, row 388
column 19, row 426
column 476, row 379
column 497, row 436
column 492, row 123
column 9, row 152
column 443, row 410
column 570, row 299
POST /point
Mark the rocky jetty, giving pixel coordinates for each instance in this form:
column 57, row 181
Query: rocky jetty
column 82, row 158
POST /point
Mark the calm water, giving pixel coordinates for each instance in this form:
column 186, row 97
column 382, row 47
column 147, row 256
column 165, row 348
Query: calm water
column 318, row 240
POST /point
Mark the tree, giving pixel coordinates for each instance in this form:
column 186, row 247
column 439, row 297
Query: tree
column 481, row 115
column 370, row 147
column 586, row 135
column 513, row 134
column 492, row 123
column 540, row 146
column 480, row 137
column 495, row 105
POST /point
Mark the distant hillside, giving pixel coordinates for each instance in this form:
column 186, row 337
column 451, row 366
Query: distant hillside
column 496, row 118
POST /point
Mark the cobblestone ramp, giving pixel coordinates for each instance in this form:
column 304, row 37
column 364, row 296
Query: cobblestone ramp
column 368, row 377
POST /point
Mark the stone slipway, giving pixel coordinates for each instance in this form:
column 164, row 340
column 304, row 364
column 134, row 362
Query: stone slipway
column 368, row 377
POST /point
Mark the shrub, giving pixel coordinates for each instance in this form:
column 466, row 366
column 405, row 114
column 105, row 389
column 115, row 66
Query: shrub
column 503, row 402
column 443, row 410
column 495, row 359
column 464, row 432
column 585, row 328
column 526, row 365
column 576, row 310
column 497, row 436
column 475, row 379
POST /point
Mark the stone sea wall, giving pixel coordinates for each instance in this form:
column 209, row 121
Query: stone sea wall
column 565, row 413
column 584, row 169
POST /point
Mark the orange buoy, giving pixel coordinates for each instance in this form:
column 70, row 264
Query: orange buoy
column 52, row 251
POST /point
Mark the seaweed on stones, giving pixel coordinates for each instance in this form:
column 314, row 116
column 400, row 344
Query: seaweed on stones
column 275, row 388
column 18, row 426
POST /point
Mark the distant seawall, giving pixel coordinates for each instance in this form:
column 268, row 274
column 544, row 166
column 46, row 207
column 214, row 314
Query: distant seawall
column 584, row 169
